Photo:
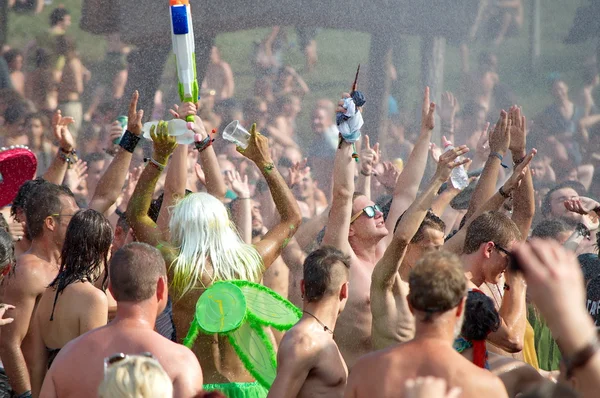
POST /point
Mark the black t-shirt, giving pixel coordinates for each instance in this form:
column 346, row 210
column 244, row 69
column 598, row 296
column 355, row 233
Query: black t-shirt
column 590, row 266
column 593, row 299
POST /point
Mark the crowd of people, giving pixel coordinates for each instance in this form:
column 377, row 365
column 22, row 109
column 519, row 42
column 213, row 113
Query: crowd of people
column 408, row 285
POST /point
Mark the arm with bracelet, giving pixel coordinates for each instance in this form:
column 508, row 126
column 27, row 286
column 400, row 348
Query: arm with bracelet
column 110, row 185
column 499, row 142
column 143, row 226
column 66, row 154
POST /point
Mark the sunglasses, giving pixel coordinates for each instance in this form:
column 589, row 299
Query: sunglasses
column 370, row 211
column 116, row 358
column 513, row 263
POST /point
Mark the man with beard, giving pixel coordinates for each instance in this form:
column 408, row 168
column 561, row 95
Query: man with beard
column 437, row 299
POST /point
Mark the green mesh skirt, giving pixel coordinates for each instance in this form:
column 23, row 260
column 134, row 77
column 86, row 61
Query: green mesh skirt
column 238, row 390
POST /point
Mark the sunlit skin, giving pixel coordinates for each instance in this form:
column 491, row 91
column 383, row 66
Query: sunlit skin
column 557, row 207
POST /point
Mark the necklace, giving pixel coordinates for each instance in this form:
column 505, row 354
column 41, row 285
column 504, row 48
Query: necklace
column 325, row 328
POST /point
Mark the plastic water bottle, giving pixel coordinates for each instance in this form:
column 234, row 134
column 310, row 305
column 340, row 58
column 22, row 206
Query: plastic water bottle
column 459, row 176
column 177, row 128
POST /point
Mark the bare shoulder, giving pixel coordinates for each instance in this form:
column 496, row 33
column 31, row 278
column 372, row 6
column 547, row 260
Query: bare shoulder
column 299, row 344
column 29, row 271
column 486, row 383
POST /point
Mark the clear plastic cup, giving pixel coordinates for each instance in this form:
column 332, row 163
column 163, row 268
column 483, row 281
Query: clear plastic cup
column 237, row 134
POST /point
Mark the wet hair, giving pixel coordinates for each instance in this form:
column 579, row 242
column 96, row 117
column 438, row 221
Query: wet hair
column 325, row 270
column 136, row 376
column 430, row 221
column 156, row 205
column 25, row 190
column 58, row 15
column 491, row 226
column 575, row 185
column 481, row 317
column 437, row 283
column 550, row 229
column 7, row 252
column 134, row 271
column 42, row 202
column 85, row 252
column 202, row 231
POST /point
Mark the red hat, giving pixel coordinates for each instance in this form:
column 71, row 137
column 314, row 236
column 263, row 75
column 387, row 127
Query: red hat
column 17, row 165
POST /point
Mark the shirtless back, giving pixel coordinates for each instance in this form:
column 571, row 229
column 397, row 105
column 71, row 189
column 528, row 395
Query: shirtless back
column 383, row 373
column 309, row 361
column 139, row 284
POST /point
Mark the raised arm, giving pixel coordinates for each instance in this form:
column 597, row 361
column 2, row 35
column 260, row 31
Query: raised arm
column 137, row 209
column 241, row 207
column 499, row 143
column 523, row 197
column 276, row 239
column 66, row 149
column 456, row 243
column 407, row 185
column 338, row 224
column 111, row 184
column 369, row 157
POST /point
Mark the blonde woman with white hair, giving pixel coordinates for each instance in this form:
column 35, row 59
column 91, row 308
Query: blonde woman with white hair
column 202, row 245
column 134, row 376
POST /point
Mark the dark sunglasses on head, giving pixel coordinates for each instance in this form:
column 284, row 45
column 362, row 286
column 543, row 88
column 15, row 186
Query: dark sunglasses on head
column 115, row 358
column 370, row 212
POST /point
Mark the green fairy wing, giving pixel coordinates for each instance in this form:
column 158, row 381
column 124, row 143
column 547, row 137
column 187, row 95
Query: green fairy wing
column 220, row 309
column 267, row 307
column 254, row 348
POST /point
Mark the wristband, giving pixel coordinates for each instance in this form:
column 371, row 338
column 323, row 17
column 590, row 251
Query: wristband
column 26, row 394
column 268, row 167
column 68, row 157
column 497, row 155
column 583, row 230
column 159, row 166
column 366, row 174
column 503, row 193
column 506, row 286
column 205, row 143
column 581, row 358
column 129, row 141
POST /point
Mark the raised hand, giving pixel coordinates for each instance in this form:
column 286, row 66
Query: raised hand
column 448, row 161
column 427, row 113
column 581, row 205
column 483, row 147
column 369, row 157
column 134, row 117
column 182, row 112
column 132, row 180
column 435, row 152
column 389, row 176
column 200, row 173
column 514, row 180
column 258, row 150
column 447, row 109
column 238, row 184
column 518, row 131
column 500, row 137
column 297, row 172
column 114, row 135
column 3, row 308
column 75, row 177
column 164, row 144
column 197, row 126
column 60, row 128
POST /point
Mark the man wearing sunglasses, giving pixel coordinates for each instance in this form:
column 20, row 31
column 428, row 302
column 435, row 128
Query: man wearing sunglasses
column 358, row 229
column 138, row 282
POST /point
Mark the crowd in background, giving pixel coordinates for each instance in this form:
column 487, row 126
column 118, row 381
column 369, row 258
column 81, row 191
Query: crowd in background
column 380, row 218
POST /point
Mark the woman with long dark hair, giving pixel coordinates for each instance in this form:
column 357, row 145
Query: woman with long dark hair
column 75, row 302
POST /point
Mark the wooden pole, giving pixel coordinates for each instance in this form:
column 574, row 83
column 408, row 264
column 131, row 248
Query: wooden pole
column 3, row 22
column 378, row 86
column 433, row 50
column 535, row 35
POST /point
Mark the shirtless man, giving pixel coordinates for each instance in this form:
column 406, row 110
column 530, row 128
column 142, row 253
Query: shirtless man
column 437, row 295
column 309, row 362
column 219, row 76
column 48, row 210
column 417, row 232
column 367, row 236
column 138, row 281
